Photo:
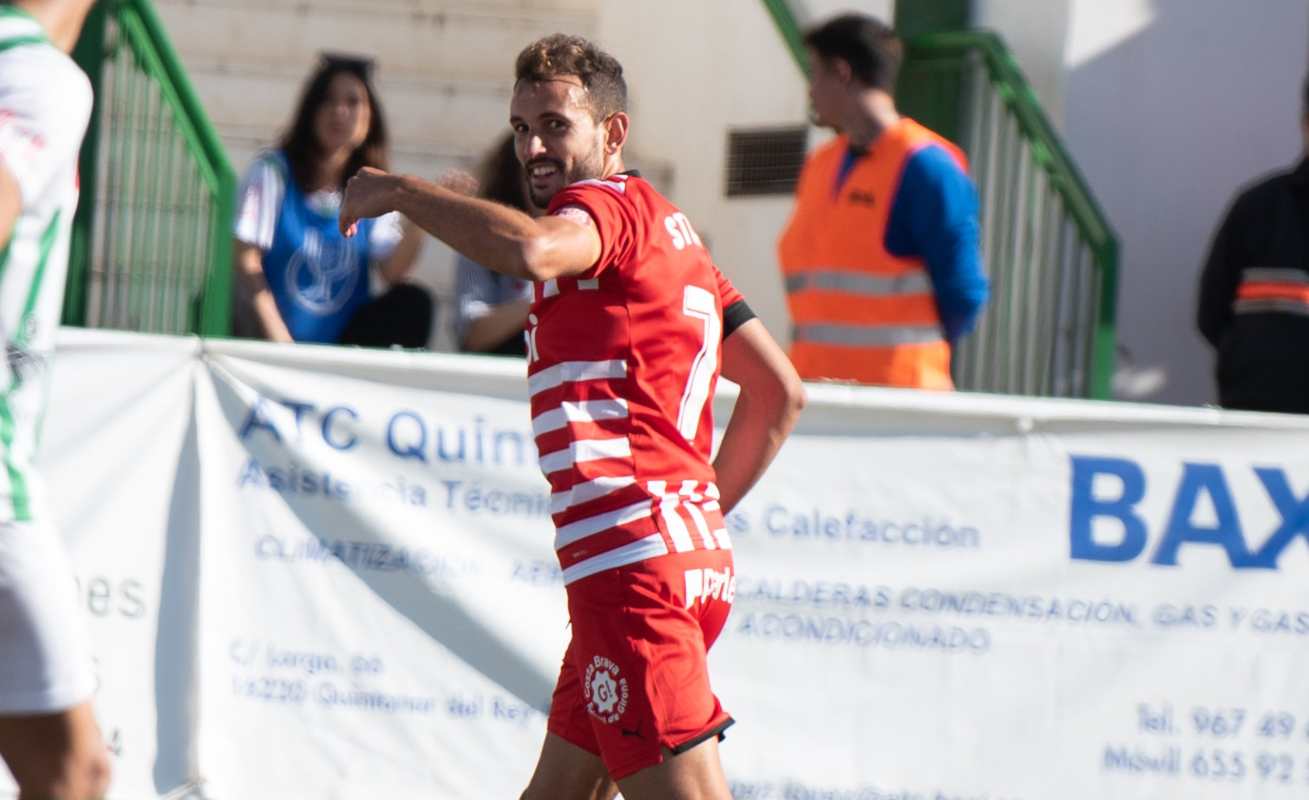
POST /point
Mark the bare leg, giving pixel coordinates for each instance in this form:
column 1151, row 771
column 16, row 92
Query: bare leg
column 693, row 775
column 56, row 756
column 567, row 772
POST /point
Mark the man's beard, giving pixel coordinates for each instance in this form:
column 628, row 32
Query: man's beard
column 540, row 201
column 587, row 169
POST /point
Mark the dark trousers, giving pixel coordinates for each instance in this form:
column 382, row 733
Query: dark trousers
column 402, row 317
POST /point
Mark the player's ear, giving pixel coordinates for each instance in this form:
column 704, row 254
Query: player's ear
column 616, row 126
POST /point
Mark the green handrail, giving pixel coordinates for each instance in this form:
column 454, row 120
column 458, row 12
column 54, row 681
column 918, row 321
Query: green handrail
column 1047, row 147
column 789, row 28
column 1048, row 152
column 159, row 190
column 1026, row 229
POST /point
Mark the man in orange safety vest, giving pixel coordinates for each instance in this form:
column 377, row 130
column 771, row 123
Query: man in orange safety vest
column 880, row 258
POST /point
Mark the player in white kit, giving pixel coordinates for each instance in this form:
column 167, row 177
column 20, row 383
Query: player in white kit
column 48, row 734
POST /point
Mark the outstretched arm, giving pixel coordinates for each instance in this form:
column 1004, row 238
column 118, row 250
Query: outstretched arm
column 1221, row 278
column 771, row 399
column 500, row 238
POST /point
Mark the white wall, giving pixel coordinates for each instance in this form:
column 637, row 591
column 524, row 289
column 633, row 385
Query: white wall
column 814, row 11
column 1168, row 106
column 1037, row 33
column 696, row 69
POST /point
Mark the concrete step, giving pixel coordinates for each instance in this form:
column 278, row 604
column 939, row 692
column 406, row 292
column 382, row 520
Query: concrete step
column 242, row 149
column 444, row 66
column 449, row 41
column 455, row 118
column 506, row 8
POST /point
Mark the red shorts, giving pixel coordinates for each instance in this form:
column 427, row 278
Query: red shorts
column 634, row 679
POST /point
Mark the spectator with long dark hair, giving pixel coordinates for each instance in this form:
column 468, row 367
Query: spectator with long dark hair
column 298, row 279
column 490, row 308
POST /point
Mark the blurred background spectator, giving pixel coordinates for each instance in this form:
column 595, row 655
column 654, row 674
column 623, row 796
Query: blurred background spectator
column 881, row 256
column 1254, row 293
column 490, row 308
column 297, row 278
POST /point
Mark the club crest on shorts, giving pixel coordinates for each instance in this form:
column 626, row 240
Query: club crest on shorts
column 605, row 689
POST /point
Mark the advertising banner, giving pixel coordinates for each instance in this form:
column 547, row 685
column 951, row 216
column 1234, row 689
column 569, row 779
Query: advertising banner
column 327, row 573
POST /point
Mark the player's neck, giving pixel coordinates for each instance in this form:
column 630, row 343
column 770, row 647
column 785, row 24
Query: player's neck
column 871, row 114
column 62, row 20
column 613, row 166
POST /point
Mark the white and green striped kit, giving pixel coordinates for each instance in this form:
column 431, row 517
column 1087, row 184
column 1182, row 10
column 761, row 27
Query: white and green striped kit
column 45, row 102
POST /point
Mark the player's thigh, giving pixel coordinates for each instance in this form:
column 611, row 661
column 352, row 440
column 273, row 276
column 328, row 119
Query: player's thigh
column 61, row 748
column 695, row 774
column 567, row 772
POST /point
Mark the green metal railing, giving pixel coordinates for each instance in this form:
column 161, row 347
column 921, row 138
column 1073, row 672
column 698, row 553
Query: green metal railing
column 152, row 243
column 1050, row 253
column 1048, row 249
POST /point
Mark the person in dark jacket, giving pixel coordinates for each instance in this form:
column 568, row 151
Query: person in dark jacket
column 1254, row 293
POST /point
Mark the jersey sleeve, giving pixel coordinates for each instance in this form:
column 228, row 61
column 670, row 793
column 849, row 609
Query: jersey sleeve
column 934, row 217
column 727, row 293
column 44, row 110
column 1221, row 276
column 736, row 312
column 612, row 213
column 385, row 236
column 258, row 201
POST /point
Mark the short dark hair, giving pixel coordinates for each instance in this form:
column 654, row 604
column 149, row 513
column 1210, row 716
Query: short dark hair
column 300, row 142
column 560, row 55
column 867, row 44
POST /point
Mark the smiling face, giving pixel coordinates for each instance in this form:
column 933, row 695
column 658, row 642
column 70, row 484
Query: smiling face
column 557, row 140
column 341, row 122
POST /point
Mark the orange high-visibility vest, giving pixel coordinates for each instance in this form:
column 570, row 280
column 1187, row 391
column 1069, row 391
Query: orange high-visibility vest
column 859, row 313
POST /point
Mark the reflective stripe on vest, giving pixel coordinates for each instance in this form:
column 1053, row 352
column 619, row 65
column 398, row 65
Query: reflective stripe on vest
column 866, row 335
column 859, row 283
column 1265, row 290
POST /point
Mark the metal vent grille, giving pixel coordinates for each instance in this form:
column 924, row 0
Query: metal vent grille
column 765, row 160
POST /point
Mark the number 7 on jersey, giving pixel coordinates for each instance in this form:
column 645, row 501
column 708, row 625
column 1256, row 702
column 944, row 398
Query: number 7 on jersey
column 700, row 304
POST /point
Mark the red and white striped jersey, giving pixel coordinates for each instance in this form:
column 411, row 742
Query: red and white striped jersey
column 622, row 364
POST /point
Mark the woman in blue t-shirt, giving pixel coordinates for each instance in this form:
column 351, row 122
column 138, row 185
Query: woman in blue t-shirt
column 298, row 278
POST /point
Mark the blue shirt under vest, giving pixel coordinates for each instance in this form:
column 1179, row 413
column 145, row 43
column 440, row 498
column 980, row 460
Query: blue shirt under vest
column 934, row 217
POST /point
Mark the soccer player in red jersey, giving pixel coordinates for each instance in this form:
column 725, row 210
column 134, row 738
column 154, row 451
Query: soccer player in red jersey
column 630, row 324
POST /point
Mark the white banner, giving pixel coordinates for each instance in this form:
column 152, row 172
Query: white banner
column 325, row 573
